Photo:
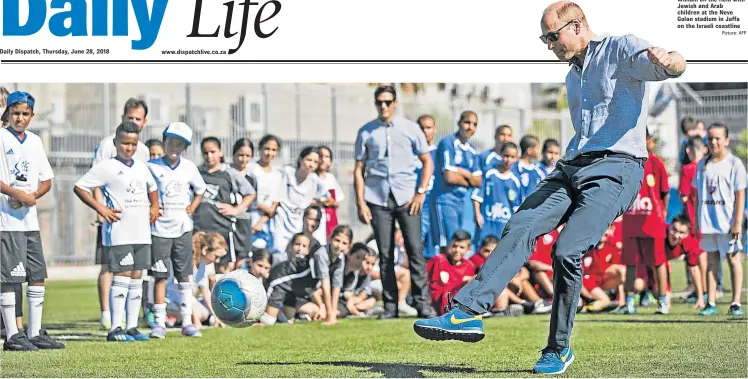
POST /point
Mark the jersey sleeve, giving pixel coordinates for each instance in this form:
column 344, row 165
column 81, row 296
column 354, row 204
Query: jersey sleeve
column 685, row 183
column 476, row 168
column 96, row 177
column 100, row 152
column 321, row 264
column 446, row 156
column 663, row 178
column 738, row 175
column 196, row 181
column 337, row 274
column 45, row 169
column 480, row 192
column 240, row 183
column 150, row 181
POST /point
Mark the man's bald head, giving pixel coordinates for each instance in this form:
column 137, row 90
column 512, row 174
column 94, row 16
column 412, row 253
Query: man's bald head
column 565, row 30
column 564, row 11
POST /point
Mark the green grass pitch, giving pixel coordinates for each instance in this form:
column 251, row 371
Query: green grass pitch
column 681, row 344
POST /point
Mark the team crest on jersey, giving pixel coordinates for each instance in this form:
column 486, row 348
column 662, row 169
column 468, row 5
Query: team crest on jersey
column 211, row 192
column 712, row 186
column 525, row 179
column 174, row 188
column 512, row 194
column 136, row 187
column 650, row 180
column 547, row 239
column 444, row 276
column 587, row 261
column 21, row 170
column 458, row 156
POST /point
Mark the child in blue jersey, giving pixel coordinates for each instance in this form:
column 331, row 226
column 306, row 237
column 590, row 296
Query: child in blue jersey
column 498, row 196
column 428, row 126
column 525, row 168
column 492, row 157
column 458, row 172
column 551, row 155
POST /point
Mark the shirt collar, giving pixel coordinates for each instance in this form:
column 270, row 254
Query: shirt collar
column 596, row 39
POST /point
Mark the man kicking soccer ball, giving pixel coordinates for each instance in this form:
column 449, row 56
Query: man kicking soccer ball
column 598, row 180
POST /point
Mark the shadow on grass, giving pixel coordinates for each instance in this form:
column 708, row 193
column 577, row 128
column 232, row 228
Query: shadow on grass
column 395, row 370
column 635, row 321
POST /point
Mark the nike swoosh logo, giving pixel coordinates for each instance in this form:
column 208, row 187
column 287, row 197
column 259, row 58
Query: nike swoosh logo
column 565, row 357
column 457, row 321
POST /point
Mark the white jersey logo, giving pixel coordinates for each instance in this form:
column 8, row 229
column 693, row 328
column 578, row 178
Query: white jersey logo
column 444, row 276
column 136, row 187
column 499, row 212
column 127, row 260
column 173, row 188
column 18, row 270
column 159, row 266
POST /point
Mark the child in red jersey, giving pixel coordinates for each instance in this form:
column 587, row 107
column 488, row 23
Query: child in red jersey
column 680, row 242
column 644, row 229
column 540, row 263
column 601, row 274
column 447, row 273
column 695, row 149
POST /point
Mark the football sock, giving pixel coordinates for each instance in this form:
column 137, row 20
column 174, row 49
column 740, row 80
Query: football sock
column 160, row 310
column 8, row 304
column 134, row 300
column 185, row 307
column 35, row 296
column 118, row 302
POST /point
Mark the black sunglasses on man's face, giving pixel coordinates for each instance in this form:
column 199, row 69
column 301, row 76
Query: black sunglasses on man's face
column 380, row 102
column 553, row 36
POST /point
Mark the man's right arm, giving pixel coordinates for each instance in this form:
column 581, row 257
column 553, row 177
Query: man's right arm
column 359, row 154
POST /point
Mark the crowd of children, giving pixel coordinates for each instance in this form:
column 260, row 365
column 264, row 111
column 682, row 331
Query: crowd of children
column 178, row 226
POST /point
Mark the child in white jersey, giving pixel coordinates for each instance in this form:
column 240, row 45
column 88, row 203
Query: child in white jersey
column 720, row 182
column 299, row 188
column 267, row 178
column 131, row 207
column 22, row 256
column 180, row 190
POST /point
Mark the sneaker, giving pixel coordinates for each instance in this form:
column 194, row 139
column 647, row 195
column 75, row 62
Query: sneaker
column 171, row 321
column 552, row 362
column 44, row 341
column 118, row 335
column 709, row 310
column 514, row 310
column 646, row 300
column 19, row 342
column 691, row 299
column 542, row 307
column 662, row 309
column 595, row 306
column 630, row 308
column 158, row 332
column 453, row 325
column 136, row 334
column 191, row 331
column 735, row 310
column 403, row 309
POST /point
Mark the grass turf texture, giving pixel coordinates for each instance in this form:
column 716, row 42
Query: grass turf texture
column 681, row 344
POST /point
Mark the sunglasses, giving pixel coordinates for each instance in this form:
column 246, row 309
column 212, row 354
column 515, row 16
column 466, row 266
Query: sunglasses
column 380, row 102
column 553, row 36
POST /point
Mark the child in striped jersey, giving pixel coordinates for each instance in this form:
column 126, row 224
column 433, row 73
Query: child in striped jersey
column 132, row 206
column 228, row 195
column 498, row 196
column 180, row 189
column 356, row 297
column 293, row 282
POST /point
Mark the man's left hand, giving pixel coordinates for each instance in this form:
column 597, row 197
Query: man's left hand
column 416, row 203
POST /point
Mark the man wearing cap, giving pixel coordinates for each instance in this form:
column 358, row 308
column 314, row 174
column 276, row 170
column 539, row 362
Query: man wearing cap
column 135, row 111
column 22, row 256
column 180, row 190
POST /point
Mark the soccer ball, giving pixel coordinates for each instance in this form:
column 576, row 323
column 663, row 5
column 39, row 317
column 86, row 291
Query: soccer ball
column 239, row 299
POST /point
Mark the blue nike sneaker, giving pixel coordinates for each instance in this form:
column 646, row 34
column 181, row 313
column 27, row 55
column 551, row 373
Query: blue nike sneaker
column 553, row 363
column 453, row 325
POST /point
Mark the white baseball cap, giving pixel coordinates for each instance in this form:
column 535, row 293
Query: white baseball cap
column 179, row 130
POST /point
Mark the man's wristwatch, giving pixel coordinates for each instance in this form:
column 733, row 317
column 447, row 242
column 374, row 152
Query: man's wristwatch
column 422, row 190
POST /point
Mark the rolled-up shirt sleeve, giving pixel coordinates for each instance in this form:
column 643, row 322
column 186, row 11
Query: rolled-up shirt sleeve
column 635, row 58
